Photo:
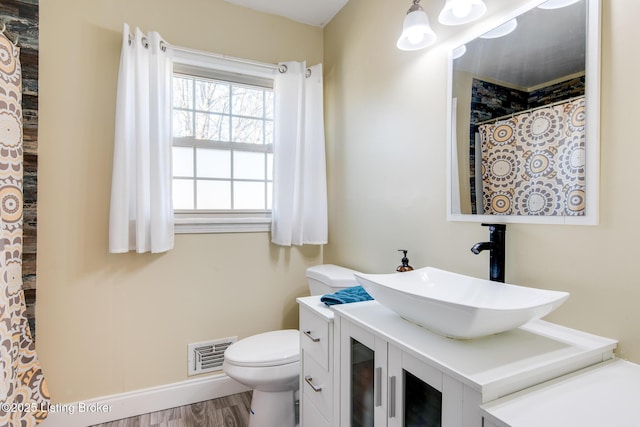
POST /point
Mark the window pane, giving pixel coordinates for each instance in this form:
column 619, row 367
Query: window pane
column 183, row 161
column 182, row 194
column 214, row 195
column 182, row 123
column 213, row 163
column 247, row 130
column 248, row 195
column 247, row 102
column 247, row 165
column 212, row 96
column 269, row 195
column 182, row 92
column 215, row 176
column 213, row 127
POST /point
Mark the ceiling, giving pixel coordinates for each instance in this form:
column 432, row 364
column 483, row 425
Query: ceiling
column 311, row 12
column 546, row 45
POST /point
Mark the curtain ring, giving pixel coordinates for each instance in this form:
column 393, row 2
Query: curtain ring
column 130, row 39
column 145, row 42
column 308, row 73
column 163, row 46
column 282, row 68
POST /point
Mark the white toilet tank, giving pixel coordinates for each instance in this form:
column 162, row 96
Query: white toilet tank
column 328, row 278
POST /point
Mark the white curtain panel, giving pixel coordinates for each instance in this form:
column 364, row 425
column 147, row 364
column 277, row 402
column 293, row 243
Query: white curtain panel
column 299, row 213
column 141, row 217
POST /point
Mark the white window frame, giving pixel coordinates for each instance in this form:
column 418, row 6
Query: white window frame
column 187, row 61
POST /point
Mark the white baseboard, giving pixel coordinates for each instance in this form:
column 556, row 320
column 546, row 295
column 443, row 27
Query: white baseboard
column 134, row 403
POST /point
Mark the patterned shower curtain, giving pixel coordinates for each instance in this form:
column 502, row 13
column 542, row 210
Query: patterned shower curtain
column 534, row 162
column 24, row 397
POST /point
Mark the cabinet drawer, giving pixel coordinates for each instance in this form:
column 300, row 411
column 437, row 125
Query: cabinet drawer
column 311, row 417
column 314, row 337
column 317, row 384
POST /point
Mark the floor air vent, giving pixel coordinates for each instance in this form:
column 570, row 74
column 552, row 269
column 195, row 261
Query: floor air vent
column 208, row 356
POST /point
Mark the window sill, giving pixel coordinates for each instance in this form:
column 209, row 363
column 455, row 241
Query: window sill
column 222, row 225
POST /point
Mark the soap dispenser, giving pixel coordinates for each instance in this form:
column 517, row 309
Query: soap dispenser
column 405, row 262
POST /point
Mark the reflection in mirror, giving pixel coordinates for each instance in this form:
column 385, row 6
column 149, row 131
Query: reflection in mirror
column 524, row 118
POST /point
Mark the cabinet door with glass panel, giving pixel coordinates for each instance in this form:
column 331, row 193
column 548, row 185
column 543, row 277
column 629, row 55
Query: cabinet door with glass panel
column 382, row 385
column 363, row 379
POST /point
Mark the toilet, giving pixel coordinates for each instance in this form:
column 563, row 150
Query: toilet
column 269, row 362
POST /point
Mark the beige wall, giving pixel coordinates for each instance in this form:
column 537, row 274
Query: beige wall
column 386, row 135
column 114, row 323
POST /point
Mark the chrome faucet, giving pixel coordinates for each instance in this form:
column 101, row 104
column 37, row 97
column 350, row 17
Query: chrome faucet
column 495, row 246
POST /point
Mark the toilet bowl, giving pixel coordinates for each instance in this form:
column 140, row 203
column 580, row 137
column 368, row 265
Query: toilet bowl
column 269, row 362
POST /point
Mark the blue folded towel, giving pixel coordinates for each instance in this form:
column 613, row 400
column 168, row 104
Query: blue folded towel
column 345, row 296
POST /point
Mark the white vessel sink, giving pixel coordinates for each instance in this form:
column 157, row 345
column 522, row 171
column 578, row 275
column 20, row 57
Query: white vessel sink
column 459, row 306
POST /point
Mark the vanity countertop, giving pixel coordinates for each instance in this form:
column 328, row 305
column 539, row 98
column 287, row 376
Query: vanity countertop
column 606, row 394
column 496, row 365
column 313, row 302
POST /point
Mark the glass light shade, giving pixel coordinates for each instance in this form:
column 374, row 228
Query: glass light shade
column 502, row 30
column 458, row 12
column 458, row 52
column 416, row 31
column 556, row 4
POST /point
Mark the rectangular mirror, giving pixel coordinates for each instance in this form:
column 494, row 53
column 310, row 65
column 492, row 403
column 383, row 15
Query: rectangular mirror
column 524, row 118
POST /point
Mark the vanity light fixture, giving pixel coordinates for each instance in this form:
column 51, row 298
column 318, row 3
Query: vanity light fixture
column 458, row 12
column 556, row 4
column 502, row 30
column 416, row 31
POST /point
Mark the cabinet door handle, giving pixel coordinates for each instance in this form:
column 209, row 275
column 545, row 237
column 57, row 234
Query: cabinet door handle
column 309, row 381
column 392, row 397
column 378, row 386
column 311, row 337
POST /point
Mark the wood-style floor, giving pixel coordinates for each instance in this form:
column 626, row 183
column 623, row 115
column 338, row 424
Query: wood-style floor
column 229, row 411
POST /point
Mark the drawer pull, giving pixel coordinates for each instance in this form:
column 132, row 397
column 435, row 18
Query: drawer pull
column 311, row 337
column 309, row 381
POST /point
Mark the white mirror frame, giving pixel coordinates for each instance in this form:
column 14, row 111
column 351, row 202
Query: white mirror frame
column 592, row 144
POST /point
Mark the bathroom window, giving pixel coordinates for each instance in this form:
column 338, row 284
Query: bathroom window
column 222, row 147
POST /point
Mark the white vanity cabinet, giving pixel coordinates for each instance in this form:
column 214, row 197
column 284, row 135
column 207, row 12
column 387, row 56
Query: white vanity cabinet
column 318, row 359
column 395, row 373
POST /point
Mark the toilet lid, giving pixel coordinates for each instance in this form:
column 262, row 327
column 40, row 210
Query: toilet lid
column 332, row 275
column 268, row 349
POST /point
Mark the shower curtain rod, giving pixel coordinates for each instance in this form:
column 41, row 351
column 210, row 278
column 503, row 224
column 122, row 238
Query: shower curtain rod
column 507, row 116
